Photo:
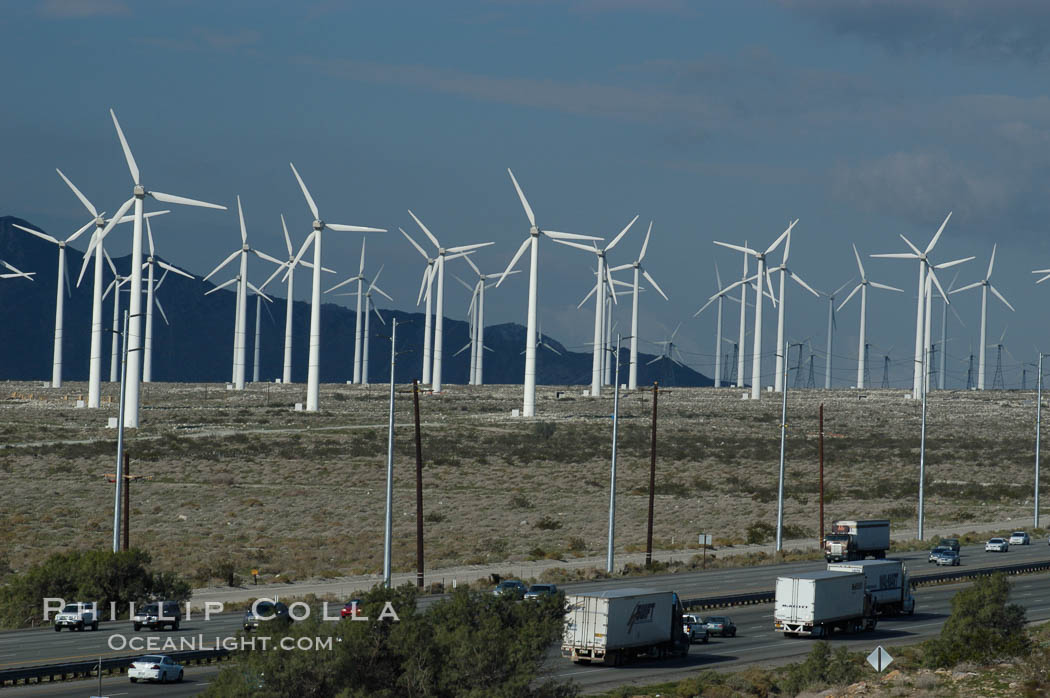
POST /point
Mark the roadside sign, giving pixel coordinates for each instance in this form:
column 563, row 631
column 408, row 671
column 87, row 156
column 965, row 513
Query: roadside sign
column 879, row 659
column 705, row 539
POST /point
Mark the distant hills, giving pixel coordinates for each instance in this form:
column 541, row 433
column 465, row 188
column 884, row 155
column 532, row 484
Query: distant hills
column 198, row 345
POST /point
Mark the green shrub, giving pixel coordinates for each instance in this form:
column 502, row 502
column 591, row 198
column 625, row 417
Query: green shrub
column 548, row 524
column 982, row 627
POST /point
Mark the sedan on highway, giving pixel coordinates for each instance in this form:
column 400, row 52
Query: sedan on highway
column 936, row 552
column 155, row 667
column 541, row 591
column 512, row 588
column 721, row 625
column 996, row 545
column 351, row 609
column 945, row 556
column 1019, row 538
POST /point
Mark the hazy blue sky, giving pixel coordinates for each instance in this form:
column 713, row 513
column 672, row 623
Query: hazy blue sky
column 717, row 120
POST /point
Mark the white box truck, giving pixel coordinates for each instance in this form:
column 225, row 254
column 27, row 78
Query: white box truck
column 819, row 603
column 886, row 581
column 856, row 540
column 610, row 627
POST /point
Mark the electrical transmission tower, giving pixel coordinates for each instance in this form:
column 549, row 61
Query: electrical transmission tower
column 811, row 383
column 867, row 370
column 969, row 374
column 932, row 368
column 997, row 381
column 798, row 367
column 886, row 371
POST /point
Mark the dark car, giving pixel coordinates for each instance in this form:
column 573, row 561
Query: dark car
column 541, row 591
column 266, row 611
column 952, row 543
column 157, row 614
column 352, row 608
column 511, row 587
column 720, row 625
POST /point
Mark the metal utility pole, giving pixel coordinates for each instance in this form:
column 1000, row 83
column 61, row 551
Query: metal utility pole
column 127, row 499
column 821, row 452
column 117, row 503
column 922, row 454
column 419, row 489
column 780, row 486
column 612, row 476
column 1038, row 421
column 652, row 486
column 389, row 463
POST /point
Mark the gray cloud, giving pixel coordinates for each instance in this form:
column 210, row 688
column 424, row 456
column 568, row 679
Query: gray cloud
column 977, row 29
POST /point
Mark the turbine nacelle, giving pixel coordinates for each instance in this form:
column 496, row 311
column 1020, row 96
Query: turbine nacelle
column 139, row 191
column 318, row 224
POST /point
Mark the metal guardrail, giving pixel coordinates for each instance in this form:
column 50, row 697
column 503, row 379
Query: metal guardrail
column 114, row 665
column 916, row 581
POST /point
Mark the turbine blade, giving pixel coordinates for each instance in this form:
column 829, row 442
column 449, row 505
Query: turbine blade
column 376, row 311
column 704, row 306
column 341, row 228
column 991, row 263
column 240, row 217
column 951, row 263
column 164, row 315
column 611, row 287
column 149, row 234
column 587, row 297
column 841, row 288
column 361, row 263
column 645, row 244
column 375, row 278
column 524, row 201
column 173, row 199
column 463, row 283
column 998, row 295
column 621, row 267
column 222, row 264
column 738, row 248
column 940, row 230
column 423, row 284
column 860, row 266
column 896, row 255
column 112, row 267
column 306, row 193
column 134, row 168
column 258, row 292
column 783, row 235
column 383, row 293
column 276, row 271
column 268, row 258
column 426, row 230
column 343, row 283
column 83, row 199
column 718, row 277
column 514, row 260
column 795, row 277
column 622, row 233
column 655, row 285
column 555, row 235
column 287, row 238
column 937, row 283
column 415, row 244
column 168, row 267
column 222, row 285
column 975, row 284
column 885, row 287
column 97, row 237
column 910, row 245
column 576, row 245
column 465, row 248
column 37, row 233
column 299, row 255
column 146, row 215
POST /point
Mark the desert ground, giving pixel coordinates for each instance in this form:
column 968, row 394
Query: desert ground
column 243, row 477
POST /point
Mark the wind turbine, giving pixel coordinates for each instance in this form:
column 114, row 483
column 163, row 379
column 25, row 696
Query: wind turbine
column 986, row 286
column 670, row 350
column 439, row 320
column 719, row 296
column 477, row 315
column 600, row 342
column 118, row 281
column 289, row 277
column 832, row 325
column 13, row 273
column 63, row 283
column 924, row 267
column 102, row 227
column 760, row 276
column 532, row 243
column 259, row 298
column 863, row 288
column 139, row 193
column 369, row 309
column 150, row 263
column 361, row 356
column 313, row 383
column 784, row 273
column 636, row 265
column 240, row 341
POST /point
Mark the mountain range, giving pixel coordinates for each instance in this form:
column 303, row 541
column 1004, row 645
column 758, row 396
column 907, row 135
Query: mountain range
column 198, row 344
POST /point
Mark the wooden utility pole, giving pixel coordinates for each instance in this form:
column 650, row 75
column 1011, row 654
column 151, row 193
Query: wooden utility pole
column 821, row 451
column 128, row 477
column 419, row 489
column 652, row 485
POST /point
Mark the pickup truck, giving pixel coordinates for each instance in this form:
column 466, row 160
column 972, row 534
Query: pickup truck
column 76, row 616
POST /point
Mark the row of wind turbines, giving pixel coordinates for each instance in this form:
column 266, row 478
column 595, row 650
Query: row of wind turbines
column 432, row 291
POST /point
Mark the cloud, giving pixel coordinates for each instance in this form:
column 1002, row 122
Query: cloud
column 77, row 9
column 976, row 29
column 202, row 39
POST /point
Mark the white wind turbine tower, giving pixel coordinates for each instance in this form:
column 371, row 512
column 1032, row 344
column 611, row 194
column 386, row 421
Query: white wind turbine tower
column 832, row 326
column 986, row 286
column 863, row 288
column 13, row 273
column 134, row 366
column 102, row 227
column 425, row 287
column 114, row 285
column 760, row 276
column 240, row 342
column 289, row 266
column 150, row 263
column 743, row 322
column 313, row 384
column 63, row 283
column 719, row 296
column 361, row 357
column 532, row 243
column 259, row 298
column 477, row 316
column 636, row 265
column 784, row 272
column 439, row 320
column 924, row 267
column 600, row 321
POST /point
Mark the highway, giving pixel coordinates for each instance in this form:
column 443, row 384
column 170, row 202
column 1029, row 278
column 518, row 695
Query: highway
column 29, row 647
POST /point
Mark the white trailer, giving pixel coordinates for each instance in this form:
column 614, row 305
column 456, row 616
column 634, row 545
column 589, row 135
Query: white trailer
column 886, row 581
column 819, row 603
column 611, row 626
column 856, row 540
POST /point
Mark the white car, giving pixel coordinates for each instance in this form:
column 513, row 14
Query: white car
column 76, row 616
column 1019, row 538
column 694, row 628
column 996, row 545
column 155, row 667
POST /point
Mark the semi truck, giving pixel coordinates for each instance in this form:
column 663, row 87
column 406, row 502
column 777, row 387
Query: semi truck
column 857, row 540
column 611, row 627
column 886, row 581
column 819, row 603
